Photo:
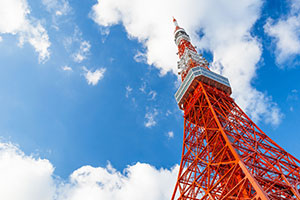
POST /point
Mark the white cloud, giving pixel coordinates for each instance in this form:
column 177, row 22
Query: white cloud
column 77, row 46
column 104, row 33
column 152, row 94
column 150, row 118
column 27, row 178
column 15, row 19
column 143, row 87
column 66, row 68
column 107, row 183
column 58, row 7
column 128, row 91
column 140, row 57
column 83, row 51
column 93, row 77
column 78, row 57
column 170, row 134
column 168, row 113
column 1, row 39
column 286, row 33
column 24, row 177
column 225, row 25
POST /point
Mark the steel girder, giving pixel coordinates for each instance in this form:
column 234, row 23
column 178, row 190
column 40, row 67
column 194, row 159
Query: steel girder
column 226, row 156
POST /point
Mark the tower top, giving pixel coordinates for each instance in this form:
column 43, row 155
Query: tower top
column 177, row 27
column 193, row 67
column 175, row 23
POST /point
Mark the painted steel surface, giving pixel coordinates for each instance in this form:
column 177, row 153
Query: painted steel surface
column 225, row 155
column 205, row 76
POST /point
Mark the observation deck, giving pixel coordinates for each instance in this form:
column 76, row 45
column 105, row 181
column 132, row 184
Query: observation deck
column 204, row 75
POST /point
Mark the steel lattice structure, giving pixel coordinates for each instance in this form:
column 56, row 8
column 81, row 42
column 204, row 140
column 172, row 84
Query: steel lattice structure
column 225, row 155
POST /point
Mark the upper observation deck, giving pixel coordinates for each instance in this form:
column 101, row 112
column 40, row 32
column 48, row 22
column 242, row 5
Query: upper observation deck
column 203, row 75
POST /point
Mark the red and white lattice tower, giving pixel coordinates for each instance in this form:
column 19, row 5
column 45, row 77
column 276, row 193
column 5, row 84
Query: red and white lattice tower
column 225, row 155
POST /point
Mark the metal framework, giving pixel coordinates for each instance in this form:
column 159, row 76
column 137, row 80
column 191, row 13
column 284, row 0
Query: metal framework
column 225, row 155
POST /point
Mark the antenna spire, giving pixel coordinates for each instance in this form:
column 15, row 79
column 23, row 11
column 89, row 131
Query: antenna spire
column 175, row 22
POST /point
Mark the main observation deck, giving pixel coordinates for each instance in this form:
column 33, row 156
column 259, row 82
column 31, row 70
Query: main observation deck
column 204, row 75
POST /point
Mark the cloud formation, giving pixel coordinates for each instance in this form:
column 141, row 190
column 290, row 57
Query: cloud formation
column 140, row 181
column 170, row 134
column 128, row 91
column 286, row 33
column 28, row 178
column 58, row 7
column 150, row 120
column 24, row 177
column 152, row 94
column 15, row 19
column 82, row 52
column 225, row 32
column 66, row 68
column 93, row 77
column 77, row 46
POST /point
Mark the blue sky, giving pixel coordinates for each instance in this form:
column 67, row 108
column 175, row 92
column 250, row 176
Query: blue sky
column 89, row 87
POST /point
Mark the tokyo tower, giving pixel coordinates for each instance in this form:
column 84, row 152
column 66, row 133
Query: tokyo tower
column 225, row 155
